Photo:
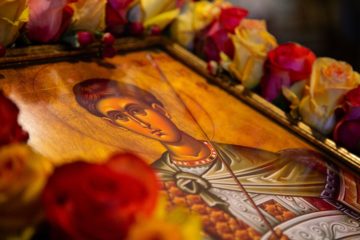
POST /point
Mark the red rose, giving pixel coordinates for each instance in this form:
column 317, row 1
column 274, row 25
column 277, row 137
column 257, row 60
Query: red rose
column 100, row 201
column 285, row 65
column 231, row 17
column 10, row 130
column 215, row 38
column 116, row 11
column 48, row 19
column 347, row 131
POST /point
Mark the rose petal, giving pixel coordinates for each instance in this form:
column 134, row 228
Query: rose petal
column 272, row 83
column 89, row 15
column 48, row 19
column 13, row 15
column 231, row 17
column 217, row 41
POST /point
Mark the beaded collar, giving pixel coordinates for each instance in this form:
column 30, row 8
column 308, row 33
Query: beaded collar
column 209, row 159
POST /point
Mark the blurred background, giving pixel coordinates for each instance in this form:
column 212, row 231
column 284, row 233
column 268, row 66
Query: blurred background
column 328, row 27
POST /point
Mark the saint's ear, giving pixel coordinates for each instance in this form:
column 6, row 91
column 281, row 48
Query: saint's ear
column 160, row 109
column 111, row 122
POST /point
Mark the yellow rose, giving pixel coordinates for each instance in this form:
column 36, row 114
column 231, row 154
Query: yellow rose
column 23, row 174
column 195, row 17
column 252, row 42
column 330, row 80
column 89, row 15
column 159, row 13
column 13, row 14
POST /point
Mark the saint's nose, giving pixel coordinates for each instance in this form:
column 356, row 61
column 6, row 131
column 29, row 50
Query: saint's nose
column 139, row 121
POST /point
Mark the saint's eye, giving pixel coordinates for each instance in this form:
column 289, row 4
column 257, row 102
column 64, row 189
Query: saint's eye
column 136, row 110
column 117, row 116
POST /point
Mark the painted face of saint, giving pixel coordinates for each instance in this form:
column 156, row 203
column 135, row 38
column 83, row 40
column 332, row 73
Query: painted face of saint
column 149, row 121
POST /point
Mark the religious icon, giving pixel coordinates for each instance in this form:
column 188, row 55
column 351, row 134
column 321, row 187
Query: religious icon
column 282, row 186
column 247, row 176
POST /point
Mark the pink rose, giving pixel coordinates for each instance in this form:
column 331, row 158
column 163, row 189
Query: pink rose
column 10, row 130
column 286, row 64
column 347, row 130
column 49, row 19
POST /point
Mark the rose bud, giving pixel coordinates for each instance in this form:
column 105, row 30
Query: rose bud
column 49, row 19
column 100, row 201
column 347, row 130
column 12, row 18
column 23, row 174
column 108, row 39
column 286, row 65
column 252, row 43
column 10, row 130
column 116, row 15
column 84, row 38
column 330, row 80
column 78, row 39
column 89, row 15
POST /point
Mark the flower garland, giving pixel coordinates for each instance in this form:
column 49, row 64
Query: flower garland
column 322, row 92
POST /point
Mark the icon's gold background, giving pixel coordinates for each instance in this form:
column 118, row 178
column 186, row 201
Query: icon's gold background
column 59, row 128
